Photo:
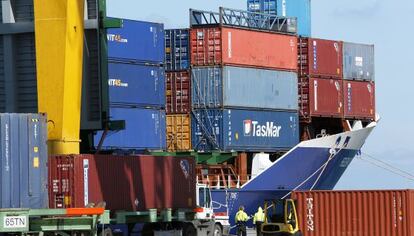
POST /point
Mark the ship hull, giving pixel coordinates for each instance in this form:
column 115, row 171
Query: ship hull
column 316, row 164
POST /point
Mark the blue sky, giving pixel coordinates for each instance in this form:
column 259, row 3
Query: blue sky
column 383, row 23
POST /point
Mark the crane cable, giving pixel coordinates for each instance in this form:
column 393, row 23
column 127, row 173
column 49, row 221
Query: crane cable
column 387, row 164
column 388, row 167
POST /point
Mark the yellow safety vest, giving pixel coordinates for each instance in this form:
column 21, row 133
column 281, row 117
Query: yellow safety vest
column 241, row 216
column 258, row 217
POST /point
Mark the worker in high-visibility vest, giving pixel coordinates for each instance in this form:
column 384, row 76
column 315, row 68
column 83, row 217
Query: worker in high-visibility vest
column 241, row 220
column 258, row 220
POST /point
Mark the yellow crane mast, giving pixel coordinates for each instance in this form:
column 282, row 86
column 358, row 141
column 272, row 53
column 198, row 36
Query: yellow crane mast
column 59, row 32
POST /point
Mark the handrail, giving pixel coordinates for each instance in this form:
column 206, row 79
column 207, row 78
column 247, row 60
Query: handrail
column 245, row 19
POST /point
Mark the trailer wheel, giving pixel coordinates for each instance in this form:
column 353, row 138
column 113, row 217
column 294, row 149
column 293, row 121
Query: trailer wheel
column 106, row 232
column 189, row 230
column 217, row 230
column 148, row 230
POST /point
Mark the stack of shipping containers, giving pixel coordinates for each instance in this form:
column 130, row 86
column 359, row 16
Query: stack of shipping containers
column 244, row 89
column 178, row 90
column 136, row 87
column 336, row 82
column 320, row 84
column 358, row 84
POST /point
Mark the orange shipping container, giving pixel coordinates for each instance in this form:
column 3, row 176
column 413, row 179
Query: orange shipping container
column 356, row 213
column 231, row 46
column 178, row 133
column 321, row 98
column 359, row 99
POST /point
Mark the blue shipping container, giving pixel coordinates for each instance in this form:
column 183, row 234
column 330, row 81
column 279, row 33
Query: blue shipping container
column 137, row 42
column 136, row 85
column 244, row 130
column 177, row 49
column 144, row 129
column 228, row 86
column 23, row 161
column 290, row 8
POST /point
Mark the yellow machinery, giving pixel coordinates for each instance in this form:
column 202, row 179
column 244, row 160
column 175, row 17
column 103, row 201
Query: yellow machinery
column 280, row 218
column 59, row 53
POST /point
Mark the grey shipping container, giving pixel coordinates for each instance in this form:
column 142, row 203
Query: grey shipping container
column 218, row 87
column 358, row 61
column 23, row 168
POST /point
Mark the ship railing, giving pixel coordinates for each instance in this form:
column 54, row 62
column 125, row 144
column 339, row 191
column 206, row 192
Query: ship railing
column 224, row 181
column 244, row 19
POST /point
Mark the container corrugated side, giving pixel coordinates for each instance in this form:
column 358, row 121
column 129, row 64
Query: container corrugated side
column 178, row 132
column 321, row 98
column 23, row 161
column 144, row 129
column 357, row 213
column 244, row 130
column 177, row 49
column 136, row 85
column 126, row 183
column 178, row 94
column 359, row 61
column 137, row 42
column 359, row 99
column 217, row 87
column 320, row 58
column 301, row 9
column 240, row 47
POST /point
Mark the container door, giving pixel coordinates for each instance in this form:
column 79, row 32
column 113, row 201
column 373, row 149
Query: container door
column 36, row 160
column 6, row 165
column 207, row 87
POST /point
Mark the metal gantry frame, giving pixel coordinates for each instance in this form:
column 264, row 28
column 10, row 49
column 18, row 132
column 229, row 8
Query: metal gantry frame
column 244, row 19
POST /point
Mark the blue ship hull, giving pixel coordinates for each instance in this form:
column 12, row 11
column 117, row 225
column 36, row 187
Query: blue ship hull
column 312, row 165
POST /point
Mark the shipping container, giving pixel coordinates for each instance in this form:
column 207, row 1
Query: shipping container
column 359, row 99
column 136, row 85
column 359, row 61
column 23, row 167
column 178, row 94
column 301, row 9
column 244, row 130
column 144, row 130
column 178, row 132
column 228, row 86
column 137, row 42
column 320, row 58
column 125, row 183
column 232, row 46
column 356, row 213
column 177, row 49
column 321, row 98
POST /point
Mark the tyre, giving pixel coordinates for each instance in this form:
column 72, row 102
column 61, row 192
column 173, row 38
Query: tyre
column 189, row 230
column 148, row 230
column 218, row 231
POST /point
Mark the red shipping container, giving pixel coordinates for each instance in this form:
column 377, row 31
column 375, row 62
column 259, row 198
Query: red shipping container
column 359, row 100
column 320, row 98
column 231, row 46
column 131, row 183
column 320, row 58
column 356, row 213
column 178, row 92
